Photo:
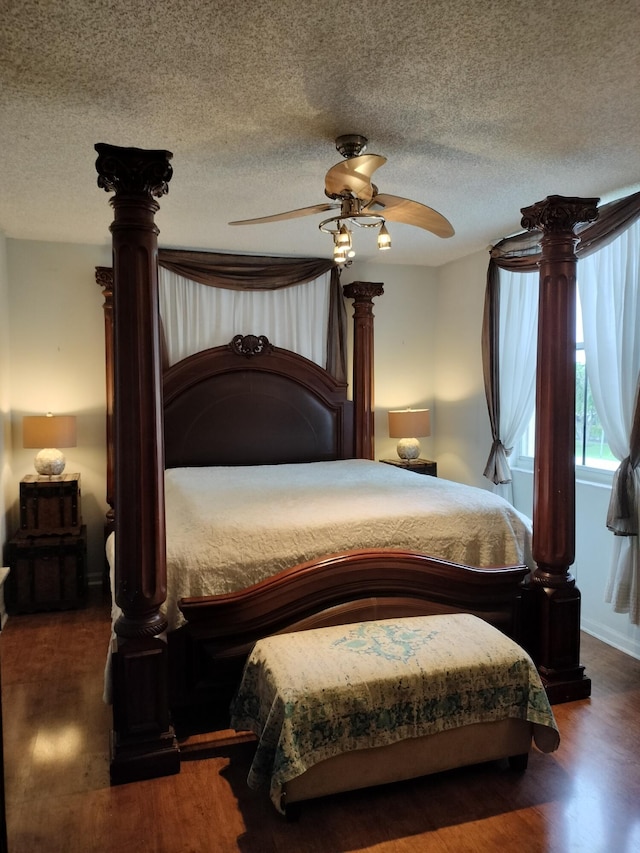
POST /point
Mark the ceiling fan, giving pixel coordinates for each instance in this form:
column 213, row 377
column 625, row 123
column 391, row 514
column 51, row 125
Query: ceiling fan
column 348, row 185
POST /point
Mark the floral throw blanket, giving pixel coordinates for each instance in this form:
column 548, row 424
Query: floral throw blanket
column 314, row 694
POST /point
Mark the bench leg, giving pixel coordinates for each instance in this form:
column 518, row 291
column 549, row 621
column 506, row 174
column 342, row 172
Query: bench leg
column 519, row 762
column 291, row 811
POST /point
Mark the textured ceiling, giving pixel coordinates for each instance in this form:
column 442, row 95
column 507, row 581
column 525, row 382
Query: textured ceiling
column 481, row 107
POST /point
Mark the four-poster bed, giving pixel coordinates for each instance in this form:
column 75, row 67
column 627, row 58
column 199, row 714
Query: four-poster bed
column 147, row 419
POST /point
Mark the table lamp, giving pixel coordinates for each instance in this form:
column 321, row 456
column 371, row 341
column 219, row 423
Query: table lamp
column 404, row 423
column 49, row 432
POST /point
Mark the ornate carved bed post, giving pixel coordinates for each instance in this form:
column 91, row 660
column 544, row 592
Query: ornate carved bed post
column 143, row 742
column 104, row 278
column 363, row 293
column 555, row 598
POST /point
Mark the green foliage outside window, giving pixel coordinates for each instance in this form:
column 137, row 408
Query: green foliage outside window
column 591, row 443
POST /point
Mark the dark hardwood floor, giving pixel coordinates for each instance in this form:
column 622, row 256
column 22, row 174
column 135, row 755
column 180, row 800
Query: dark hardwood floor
column 585, row 797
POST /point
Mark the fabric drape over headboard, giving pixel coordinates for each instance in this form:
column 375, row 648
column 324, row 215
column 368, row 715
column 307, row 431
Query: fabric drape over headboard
column 521, row 253
column 260, row 272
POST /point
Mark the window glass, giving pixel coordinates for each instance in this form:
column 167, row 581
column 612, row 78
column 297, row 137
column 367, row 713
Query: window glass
column 592, row 450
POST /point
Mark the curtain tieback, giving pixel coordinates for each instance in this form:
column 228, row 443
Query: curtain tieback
column 622, row 516
column 497, row 468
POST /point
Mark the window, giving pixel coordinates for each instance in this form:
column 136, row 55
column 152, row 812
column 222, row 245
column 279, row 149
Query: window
column 592, row 450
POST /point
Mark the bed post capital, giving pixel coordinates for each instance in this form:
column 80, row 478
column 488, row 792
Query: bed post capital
column 133, row 170
column 363, row 290
column 558, row 213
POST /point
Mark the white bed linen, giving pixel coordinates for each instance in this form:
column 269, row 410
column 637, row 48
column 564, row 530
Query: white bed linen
column 228, row 528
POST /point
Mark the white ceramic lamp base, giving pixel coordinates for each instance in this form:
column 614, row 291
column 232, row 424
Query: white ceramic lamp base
column 49, row 462
column 408, row 449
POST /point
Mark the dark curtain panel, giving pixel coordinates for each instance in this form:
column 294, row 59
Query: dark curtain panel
column 337, row 330
column 242, row 272
column 256, row 272
column 495, row 469
column 622, row 515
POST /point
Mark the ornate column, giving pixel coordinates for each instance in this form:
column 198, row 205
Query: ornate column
column 363, row 293
column 143, row 742
column 554, row 596
column 104, row 278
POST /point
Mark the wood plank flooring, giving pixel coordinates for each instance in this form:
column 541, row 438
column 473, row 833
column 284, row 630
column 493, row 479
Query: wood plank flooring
column 585, row 797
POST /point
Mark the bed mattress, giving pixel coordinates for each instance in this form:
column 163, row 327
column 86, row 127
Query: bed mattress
column 231, row 527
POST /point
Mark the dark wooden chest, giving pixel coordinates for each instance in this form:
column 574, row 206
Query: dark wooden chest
column 47, row 572
column 50, row 504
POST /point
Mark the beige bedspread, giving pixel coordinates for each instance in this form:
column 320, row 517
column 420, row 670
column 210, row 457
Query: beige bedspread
column 228, row 528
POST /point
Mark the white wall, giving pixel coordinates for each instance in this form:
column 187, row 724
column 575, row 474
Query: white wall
column 56, row 349
column 463, row 438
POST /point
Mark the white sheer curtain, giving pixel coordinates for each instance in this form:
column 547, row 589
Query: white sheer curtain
column 518, row 333
column 196, row 317
column 609, row 284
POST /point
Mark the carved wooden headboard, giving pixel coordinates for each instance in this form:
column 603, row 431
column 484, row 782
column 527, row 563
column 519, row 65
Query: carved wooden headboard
column 251, row 403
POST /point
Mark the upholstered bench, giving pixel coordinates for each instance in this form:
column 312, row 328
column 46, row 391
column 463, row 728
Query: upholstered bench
column 369, row 703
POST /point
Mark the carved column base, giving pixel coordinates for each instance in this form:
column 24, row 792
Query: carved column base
column 137, row 760
column 143, row 742
column 554, row 632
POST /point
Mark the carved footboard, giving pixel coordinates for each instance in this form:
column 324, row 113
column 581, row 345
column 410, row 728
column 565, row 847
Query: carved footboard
column 342, row 588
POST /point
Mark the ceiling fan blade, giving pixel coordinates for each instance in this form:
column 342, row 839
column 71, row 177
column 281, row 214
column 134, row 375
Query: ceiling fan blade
column 397, row 209
column 290, row 214
column 353, row 177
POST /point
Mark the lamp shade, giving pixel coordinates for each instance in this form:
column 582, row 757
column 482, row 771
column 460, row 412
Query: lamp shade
column 409, row 423
column 49, row 432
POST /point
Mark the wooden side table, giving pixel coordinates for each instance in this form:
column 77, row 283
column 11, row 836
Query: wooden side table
column 418, row 466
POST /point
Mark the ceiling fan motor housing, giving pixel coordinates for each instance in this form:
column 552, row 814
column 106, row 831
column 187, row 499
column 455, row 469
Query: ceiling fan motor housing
column 351, row 144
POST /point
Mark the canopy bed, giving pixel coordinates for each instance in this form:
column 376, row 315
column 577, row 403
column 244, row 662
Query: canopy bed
column 175, row 419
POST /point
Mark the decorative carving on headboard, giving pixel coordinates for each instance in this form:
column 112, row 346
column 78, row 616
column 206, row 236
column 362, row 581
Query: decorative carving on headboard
column 250, row 345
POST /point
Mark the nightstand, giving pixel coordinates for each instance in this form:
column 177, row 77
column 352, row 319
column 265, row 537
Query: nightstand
column 50, row 504
column 48, row 554
column 418, row 466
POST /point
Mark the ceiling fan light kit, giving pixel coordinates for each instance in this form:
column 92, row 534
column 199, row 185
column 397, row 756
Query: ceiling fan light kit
column 348, row 184
column 384, row 238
